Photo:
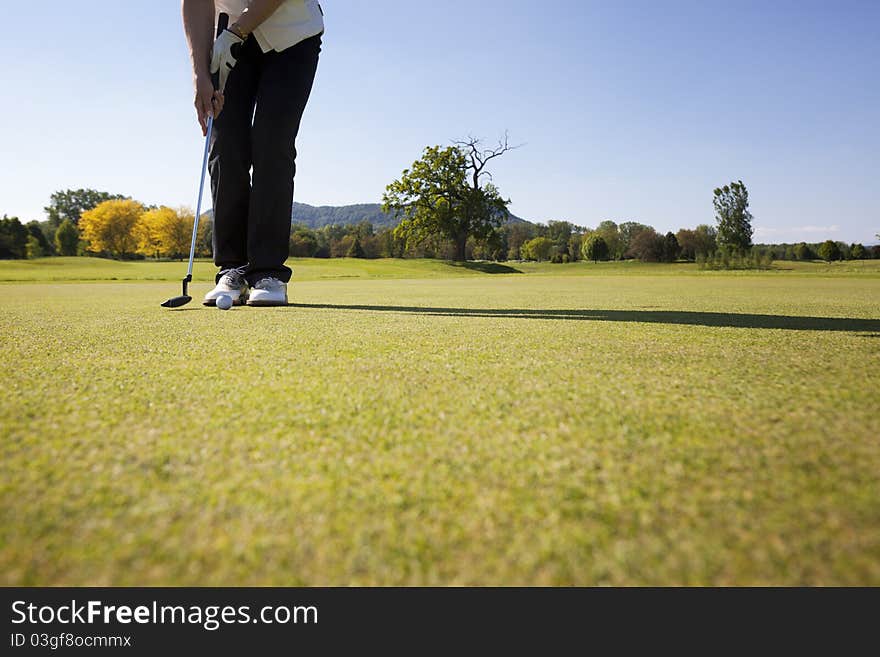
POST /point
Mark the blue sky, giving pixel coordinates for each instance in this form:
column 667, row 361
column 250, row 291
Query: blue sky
column 628, row 110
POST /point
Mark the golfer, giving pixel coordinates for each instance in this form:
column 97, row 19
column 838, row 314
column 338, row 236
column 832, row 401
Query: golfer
column 266, row 62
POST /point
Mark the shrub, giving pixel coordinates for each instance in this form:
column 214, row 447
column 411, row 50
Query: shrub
column 724, row 259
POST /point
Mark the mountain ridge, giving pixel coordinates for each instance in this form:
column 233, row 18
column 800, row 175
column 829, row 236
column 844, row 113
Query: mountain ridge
column 318, row 216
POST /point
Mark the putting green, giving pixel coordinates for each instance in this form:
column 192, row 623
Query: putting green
column 415, row 423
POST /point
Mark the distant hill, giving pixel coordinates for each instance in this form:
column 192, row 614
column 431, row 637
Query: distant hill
column 316, row 217
column 325, row 215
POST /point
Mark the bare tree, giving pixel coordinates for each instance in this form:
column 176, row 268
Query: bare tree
column 479, row 157
column 442, row 195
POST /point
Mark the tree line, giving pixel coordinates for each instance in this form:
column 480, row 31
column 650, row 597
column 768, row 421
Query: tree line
column 443, row 208
column 90, row 222
column 556, row 242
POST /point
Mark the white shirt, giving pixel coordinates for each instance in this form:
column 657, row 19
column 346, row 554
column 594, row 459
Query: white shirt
column 292, row 22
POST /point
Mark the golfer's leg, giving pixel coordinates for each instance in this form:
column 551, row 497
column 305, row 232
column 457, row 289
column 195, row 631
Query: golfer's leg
column 284, row 90
column 230, row 161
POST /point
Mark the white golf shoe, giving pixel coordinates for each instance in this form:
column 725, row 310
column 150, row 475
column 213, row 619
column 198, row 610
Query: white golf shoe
column 231, row 285
column 268, row 292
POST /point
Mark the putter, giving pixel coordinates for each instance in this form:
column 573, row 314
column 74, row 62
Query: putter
column 183, row 299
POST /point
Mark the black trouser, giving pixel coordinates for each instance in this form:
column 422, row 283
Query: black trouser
column 265, row 96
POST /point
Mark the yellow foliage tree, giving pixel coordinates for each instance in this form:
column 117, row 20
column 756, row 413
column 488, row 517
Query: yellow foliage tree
column 165, row 232
column 176, row 232
column 110, row 227
column 148, row 233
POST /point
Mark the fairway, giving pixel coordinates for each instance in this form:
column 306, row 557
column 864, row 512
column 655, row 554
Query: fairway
column 418, row 423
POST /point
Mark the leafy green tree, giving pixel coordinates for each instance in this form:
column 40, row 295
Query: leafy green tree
column 539, row 248
column 647, row 246
column 857, row 252
column 36, row 231
column 205, row 236
column 595, row 248
column 356, row 250
column 33, row 248
column 706, row 240
column 829, row 250
column 442, row 196
column 733, row 217
column 340, row 248
column 627, row 231
column 334, row 232
column 803, row 251
column 362, row 229
column 560, row 232
column 493, row 247
column 49, row 233
column 303, row 243
column 576, row 245
column 699, row 242
column 687, row 243
column 671, row 249
column 517, row 235
column 13, row 238
column 389, row 247
column 372, row 246
column 610, row 232
column 66, row 239
column 71, row 203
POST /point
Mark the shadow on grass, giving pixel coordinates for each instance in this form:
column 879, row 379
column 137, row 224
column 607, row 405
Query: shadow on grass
column 486, row 267
column 731, row 320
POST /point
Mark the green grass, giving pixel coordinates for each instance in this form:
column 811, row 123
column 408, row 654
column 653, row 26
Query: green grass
column 415, row 422
column 45, row 270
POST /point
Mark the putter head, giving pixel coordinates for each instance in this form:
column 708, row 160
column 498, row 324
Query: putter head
column 177, row 302
column 184, row 298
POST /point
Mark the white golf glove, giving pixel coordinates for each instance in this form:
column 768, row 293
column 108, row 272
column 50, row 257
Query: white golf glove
column 223, row 55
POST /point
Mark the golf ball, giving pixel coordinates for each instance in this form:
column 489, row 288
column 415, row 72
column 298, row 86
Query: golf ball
column 224, row 302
